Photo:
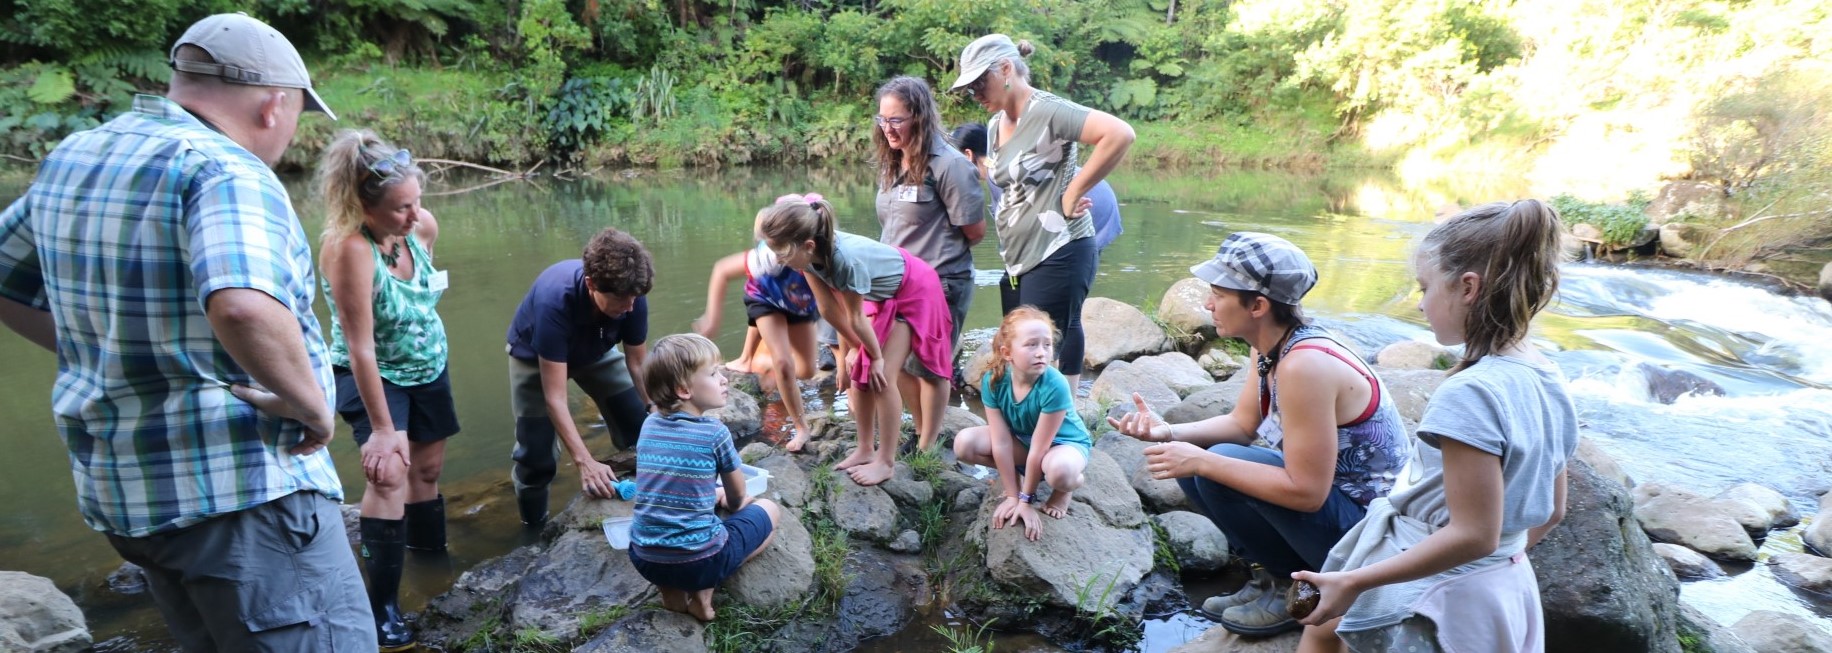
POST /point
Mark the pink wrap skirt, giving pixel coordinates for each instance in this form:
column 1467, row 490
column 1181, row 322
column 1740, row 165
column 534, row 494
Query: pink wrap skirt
column 919, row 302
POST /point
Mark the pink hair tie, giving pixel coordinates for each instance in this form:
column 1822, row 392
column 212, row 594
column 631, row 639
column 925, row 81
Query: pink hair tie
column 809, row 198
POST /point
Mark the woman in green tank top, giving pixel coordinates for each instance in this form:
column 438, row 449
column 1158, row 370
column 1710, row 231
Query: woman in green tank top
column 388, row 353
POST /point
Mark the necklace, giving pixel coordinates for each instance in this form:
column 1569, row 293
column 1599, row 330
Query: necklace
column 394, row 251
column 1269, row 360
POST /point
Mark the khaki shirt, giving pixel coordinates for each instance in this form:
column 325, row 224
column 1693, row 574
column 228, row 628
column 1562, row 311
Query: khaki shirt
column 1033, row 166
column 926, row 218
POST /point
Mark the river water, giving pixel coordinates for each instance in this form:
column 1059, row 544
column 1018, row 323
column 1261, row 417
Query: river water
column 1773, row 424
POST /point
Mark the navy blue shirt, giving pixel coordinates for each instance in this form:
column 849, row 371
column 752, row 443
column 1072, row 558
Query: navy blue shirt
column 557, row 321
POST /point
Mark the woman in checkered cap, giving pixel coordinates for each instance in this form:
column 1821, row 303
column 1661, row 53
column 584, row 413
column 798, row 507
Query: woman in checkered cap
column 1335, row 439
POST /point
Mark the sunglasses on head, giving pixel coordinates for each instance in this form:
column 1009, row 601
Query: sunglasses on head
column 389, row 165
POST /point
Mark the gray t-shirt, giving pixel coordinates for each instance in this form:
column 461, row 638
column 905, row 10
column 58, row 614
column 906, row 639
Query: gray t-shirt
column 861, row 265
column 926, row 218
column 1032, row 166
column 1508, row 407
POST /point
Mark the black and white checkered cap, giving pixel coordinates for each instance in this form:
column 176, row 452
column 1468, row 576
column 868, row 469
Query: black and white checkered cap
column 1262, row 263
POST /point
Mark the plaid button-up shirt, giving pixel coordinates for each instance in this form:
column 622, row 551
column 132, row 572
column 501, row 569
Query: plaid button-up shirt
column 124, row 233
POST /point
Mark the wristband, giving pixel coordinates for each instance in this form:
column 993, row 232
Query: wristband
column 1025, row 497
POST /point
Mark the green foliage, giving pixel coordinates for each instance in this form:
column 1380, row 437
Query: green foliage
column 1235, row 347
column 548, row 37
column 584, row 110
column 1162, row 557
column 743, row 628
column 1100, row 622
column 596, row 620
column 966, row 639
column 534, row 640
column 1620, row 222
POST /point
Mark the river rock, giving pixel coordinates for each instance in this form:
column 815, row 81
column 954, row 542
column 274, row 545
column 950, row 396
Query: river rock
column 881, row 596
column 1686, row 199
column 1780, row 512
column 1114, row 330
column 128, row 579
column 1157, row 494
column 1219, row 364
column 1106, row 491
column 1078, row 552
column 1219, row 640
column 1121, row 379
column 1602, row 586
column 741, row 414
column 1804, row 571
column 1196, row 542
column 1679, row 516
column 1768, row 630
column 578, row 573
column 951, row 483
column 972, row 340
column 475, row 599
column 1818, row 535
column 1667, row 385
column 1217, row 399
column 864, row 511
column 909, row 541
column 1825, row 282
column 1681, row 239
column 788, row 483
column 1181, row 308
column 781, row 574
column 1177, row 370
column 905, row 490
column 978, row 364
column 36, row 617
column 1410, row 389
column 649, row 630
column 1415, row 355
column 1602, row 462
column 1092, row 415
column 955, row 419
column 1706, row 635
column 1686, row 563
column 586, row 513
column 1587, row 232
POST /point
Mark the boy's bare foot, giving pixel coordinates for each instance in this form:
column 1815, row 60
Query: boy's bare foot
column 799, row 440
column 700, row 605
column 872, row 473
column 858, row 457
column 1058, row 505
column 674, row 600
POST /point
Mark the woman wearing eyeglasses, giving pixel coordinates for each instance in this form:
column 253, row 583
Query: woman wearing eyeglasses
column 1046, row 237
column 929, row 203
column 388, row 352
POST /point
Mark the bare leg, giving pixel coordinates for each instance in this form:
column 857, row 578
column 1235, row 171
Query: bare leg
column 910, row 388
column 1322, row 639
column 889, row 408
column 1062, row 467
column 974, row 446
column 386, row 500
column 699, row 604
column 674, row 600
column 776, row 337
column 743, row 364
column 932, row 400
column 423, row 477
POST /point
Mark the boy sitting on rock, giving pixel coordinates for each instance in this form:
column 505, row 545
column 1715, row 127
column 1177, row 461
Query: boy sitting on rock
column 682, row 459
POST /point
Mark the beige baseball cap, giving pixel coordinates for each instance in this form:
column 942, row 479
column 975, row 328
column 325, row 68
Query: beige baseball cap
column 248, row 51
column 983, row 53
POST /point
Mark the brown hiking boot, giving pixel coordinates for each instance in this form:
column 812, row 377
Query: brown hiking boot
column 1215, row 605
column 1264, row 616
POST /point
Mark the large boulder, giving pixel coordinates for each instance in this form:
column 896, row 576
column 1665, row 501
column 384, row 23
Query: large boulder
column 1600, row 582
column 1074, row 562
column 1825, row 282
column 578, row 573
column 1217, row 399
column 1114, row 330
column 36, row 617
column 1121, row 379
column 1197, row 543
column 906, row 490
column 882, row 593
column 1768, row 630
column 1157, row 494
column 1181, row 308
column 741, row 414
column 1176, row 370
column 1666, row 385
column 788, row 483
column 475, row 600
column 955, row 419
column 1415, row 355
column 1682, row 517
column 1410, row 389
column 864, row 511
column 649, row 630
column 1106, row 491
column 1681, row 239
column 1701, row 634
column 1602, row 462
column 1219, row 364
column 1804, row 571
column 1686, row 199
column 981, row 361
column 1776, row 510
column 1686, row 563
column 783, row 573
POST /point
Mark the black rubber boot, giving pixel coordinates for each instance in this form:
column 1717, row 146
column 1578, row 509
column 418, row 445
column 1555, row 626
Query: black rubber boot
column 426, row 525
column 532, row 502
column 384, row 547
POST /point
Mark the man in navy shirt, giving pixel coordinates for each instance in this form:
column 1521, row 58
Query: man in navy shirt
column 569, row 327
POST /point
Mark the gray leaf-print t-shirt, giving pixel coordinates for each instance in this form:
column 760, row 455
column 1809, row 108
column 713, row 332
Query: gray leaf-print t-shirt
column 1033, row 165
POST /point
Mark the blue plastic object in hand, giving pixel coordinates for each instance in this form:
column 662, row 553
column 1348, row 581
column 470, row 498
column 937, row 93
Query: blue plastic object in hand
column 626, row 489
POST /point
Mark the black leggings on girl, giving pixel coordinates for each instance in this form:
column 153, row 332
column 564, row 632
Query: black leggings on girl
column 1057, row 286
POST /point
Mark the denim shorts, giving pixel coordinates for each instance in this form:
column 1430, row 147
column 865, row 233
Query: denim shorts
column 426, row 411
column 745, row 531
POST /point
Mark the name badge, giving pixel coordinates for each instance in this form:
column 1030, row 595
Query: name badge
column 439, row 281
column 908, row 193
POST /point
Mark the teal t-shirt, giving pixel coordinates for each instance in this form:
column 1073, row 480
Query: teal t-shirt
column 1051, row 394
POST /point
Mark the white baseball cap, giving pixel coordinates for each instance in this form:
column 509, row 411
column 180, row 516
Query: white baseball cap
column 247, row 51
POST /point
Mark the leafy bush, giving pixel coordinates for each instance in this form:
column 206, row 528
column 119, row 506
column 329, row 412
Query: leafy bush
column 1621, row 223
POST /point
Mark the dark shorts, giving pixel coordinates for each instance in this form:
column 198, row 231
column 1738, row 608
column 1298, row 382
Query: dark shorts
column 425, row 411
column 745, row 531
column 754, row 309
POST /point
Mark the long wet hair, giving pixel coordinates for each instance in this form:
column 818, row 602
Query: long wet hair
column 794, row 219
column 1514, row 249
column 911, row 165
column 1008, row 330
column 348, row 182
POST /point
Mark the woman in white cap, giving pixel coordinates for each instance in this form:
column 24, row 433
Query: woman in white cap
column 1045, row 234
column 1337, row 441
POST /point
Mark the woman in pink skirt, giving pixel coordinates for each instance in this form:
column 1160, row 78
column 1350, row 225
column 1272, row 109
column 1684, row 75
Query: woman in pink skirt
column 887, row 307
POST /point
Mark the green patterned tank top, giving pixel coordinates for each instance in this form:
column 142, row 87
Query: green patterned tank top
column 410, row 345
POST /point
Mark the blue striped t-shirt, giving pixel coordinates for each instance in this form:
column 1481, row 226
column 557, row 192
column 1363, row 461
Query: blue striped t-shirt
column 678, row 462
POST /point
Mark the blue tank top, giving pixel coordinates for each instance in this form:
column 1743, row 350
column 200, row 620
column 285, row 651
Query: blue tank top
column 1370, row 451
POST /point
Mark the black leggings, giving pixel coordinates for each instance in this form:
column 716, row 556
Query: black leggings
column 1057, row 286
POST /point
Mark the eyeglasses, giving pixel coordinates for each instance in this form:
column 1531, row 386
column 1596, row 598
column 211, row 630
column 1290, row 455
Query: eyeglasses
column 387, row 166
column 893, row 123
column 978, row 86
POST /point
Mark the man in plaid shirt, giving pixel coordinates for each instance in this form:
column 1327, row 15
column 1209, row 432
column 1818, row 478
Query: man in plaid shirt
column 160, row 257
